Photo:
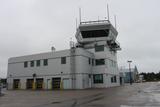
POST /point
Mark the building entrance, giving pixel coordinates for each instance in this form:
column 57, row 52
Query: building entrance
column 56, row 82
column 16, row 83
column 39, row 83
column 29, row 84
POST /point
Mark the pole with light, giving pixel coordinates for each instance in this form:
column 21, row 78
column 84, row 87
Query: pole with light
column 130, row 73
column 0, row 87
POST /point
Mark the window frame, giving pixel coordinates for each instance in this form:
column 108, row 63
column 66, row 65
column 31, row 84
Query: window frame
column 38, row 63
column 99, row 63
column 63, row 60
column 93, row 62
column 89, row 61
column 115, row 79
column 99, row 80
column 45, row 62
column 32, row 63
column 25, row 64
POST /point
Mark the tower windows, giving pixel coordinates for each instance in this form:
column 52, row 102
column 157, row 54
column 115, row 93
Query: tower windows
column 98, row 78
column 63, row 60
column 100, row 62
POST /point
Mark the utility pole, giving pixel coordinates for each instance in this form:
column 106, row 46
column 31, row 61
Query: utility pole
column 0, row 87
column 129, row 62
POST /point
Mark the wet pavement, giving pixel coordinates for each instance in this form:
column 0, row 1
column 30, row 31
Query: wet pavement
column 136, row 95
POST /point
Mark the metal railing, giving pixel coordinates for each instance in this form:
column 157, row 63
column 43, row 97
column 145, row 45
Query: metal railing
column 95, row 22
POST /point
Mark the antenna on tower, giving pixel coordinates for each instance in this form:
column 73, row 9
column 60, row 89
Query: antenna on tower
column 115, row 20
column 80, row 15
column 108, row 12
column 76, row 24
column 72, row 44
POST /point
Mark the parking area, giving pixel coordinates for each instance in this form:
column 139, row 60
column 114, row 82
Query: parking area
column 136, row 94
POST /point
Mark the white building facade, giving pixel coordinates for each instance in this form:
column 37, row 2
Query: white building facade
column 90, row 63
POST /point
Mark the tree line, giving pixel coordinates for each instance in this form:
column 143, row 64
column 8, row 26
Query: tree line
column 151, row 76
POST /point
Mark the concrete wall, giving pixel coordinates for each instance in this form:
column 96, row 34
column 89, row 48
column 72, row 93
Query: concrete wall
column 54, row 68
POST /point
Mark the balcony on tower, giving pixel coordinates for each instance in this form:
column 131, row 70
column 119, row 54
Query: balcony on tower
column 91, row 31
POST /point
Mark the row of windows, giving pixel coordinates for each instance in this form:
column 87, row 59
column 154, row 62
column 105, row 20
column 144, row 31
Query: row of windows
column 100, row 48
column 98, row 78
column 92, row 62
column 37, row 63
column 96, row 61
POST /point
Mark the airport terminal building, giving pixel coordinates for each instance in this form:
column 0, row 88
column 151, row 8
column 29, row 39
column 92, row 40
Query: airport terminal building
column 90, row 63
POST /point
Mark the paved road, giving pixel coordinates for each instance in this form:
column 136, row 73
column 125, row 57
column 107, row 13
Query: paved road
column 137, row 95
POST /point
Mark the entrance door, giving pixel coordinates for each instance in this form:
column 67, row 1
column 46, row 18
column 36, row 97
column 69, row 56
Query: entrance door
column 16, row 83
column 121, row 81
column 49, row 84
column 29, row 84
column 66, row 83
column 39, row 83
column 56, row 82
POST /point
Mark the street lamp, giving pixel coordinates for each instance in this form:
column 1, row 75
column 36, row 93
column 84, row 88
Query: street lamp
column 129, row 62
column 0, row 87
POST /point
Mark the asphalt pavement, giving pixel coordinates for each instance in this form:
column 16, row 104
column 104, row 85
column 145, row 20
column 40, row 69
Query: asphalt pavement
column 136, row 95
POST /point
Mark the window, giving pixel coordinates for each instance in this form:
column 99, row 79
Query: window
column 98, row 78
column 25, row 64
column 92, row 62
column 113, row 79
column 45, row 62
column 95, row 33
column 99, row 48
column 38, row 63
column 32, row 63
column 89, row 61
column 63, row 60
column 100, row 61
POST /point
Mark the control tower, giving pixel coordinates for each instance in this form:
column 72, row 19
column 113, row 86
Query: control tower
column 92, row 32
column 99, row 38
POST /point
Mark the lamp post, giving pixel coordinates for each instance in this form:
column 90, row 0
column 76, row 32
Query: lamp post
column 0, row 87
column 129, row 62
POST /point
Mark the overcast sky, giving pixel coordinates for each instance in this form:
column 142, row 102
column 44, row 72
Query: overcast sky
column 33, row 26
